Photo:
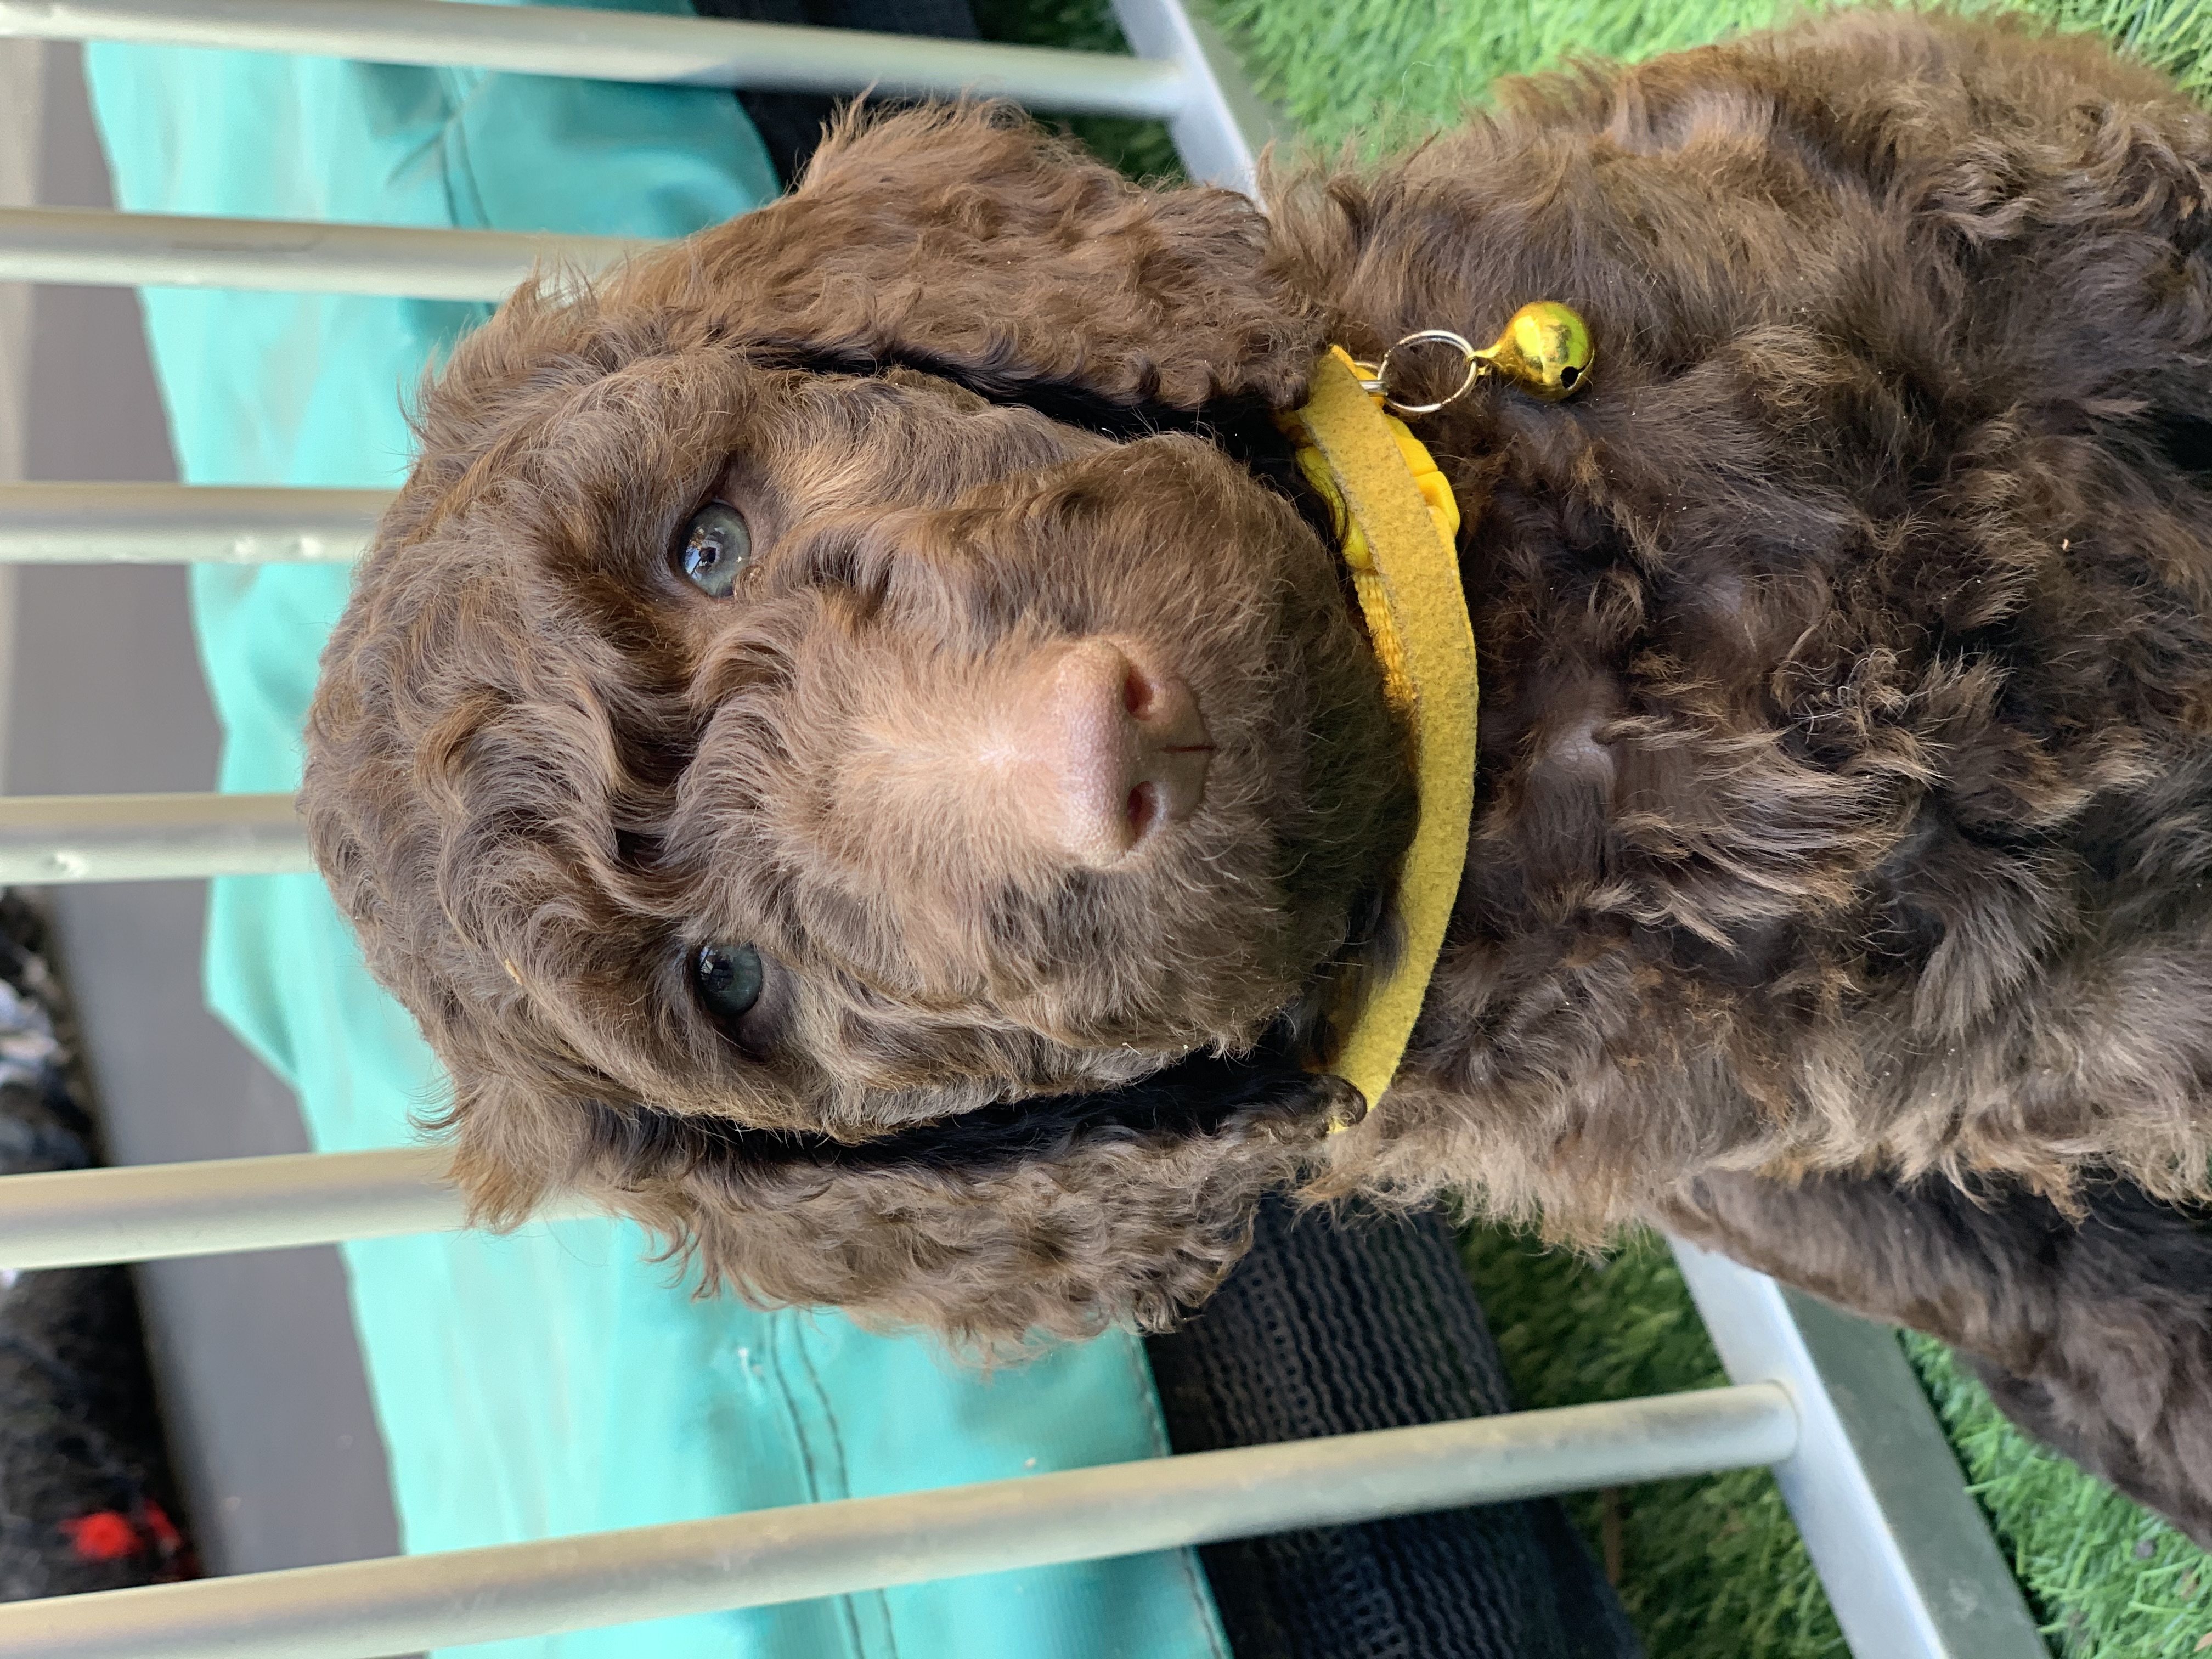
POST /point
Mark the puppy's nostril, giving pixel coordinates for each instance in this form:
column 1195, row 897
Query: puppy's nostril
column 1137, row 693
column 1144, row 810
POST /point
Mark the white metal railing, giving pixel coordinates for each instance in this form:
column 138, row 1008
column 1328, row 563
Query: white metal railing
column 50, row 839
column 1911, row 1570
column 625, row 45
column 133, row 250
column 1183, row 74
column 360, row 1609
column 154, row 1211
column 1906, row 1558
column 183, row 524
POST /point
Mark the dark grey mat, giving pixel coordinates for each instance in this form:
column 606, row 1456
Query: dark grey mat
column 86, row 1502
column 1330, row 1327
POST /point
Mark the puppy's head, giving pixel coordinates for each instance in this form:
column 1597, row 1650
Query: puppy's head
column 851, row 752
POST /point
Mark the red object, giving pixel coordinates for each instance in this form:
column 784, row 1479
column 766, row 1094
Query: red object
column 163, row 1531
column 106, row 1535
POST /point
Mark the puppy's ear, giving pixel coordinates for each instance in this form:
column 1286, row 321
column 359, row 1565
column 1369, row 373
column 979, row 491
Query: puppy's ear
column 967, row 241
column 1057, row 1217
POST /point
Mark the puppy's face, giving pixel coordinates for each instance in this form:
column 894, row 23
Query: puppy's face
column 833, row 751
column 987, row 755
column 727, row 760
column 1022, row 759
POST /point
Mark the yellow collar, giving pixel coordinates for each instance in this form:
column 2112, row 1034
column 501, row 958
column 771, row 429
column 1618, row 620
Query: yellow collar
column 1399, row 524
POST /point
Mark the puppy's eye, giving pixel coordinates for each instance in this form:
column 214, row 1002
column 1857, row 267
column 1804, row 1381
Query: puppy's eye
column 716, row 549
column 728, row 977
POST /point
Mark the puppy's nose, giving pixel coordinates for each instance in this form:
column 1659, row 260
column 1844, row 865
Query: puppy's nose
column 1114, row 748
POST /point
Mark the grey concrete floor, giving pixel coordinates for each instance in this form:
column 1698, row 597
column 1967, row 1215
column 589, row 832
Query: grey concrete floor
column 260, row 1374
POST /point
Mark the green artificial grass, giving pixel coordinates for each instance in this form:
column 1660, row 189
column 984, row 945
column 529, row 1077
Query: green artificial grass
column 1384, row 70
column 1381, row 72
column 2106, row 1578
column 1709, row 1568
column 1712, row 1568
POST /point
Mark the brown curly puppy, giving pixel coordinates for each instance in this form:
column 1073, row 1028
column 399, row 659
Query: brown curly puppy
column 854, row 743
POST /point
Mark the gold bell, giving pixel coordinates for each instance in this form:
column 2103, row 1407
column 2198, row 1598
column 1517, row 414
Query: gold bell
column 1544, row 350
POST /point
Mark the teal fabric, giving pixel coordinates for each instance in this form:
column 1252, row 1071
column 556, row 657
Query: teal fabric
column 554, row 1381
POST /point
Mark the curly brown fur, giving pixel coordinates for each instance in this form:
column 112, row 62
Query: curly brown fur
column 1844, row 793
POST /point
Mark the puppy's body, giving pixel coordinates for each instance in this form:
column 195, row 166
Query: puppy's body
column 1845, row 656
column 1844, row 792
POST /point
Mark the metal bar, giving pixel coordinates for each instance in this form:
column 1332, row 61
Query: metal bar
column 183, row 524
column 407, row 1603
column 216, row 1206
column 164, row 250
column 150, row 1211
column 46, row 839
column 1224, row 124
column 1906, row 1558
column 618, row 46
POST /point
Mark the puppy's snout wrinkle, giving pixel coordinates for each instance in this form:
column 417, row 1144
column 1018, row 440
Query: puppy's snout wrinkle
column 1110, row 748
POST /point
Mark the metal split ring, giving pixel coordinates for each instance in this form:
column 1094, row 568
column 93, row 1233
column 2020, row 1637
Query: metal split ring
column 1476, row 367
